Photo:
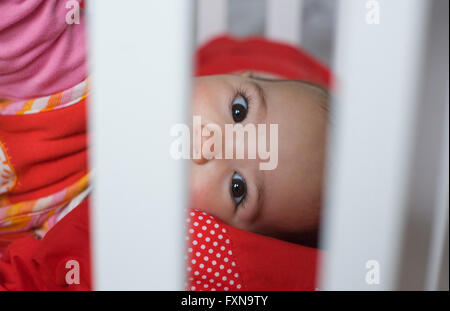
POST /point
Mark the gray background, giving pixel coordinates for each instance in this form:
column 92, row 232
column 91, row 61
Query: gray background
column 247, row 17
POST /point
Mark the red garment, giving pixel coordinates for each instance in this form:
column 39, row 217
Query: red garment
column 48, row 150
column 31, row 264
column 47, row 153
column 227, row 55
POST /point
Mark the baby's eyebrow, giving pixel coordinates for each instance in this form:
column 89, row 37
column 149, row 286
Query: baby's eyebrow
column 262, row 94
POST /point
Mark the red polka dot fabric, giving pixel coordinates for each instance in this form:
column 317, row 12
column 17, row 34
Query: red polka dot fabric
column 211, row 264
column 220, row 257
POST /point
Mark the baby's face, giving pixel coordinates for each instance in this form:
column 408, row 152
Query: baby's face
column 283, row 202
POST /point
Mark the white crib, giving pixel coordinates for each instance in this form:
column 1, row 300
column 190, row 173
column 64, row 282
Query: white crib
column 393, row 143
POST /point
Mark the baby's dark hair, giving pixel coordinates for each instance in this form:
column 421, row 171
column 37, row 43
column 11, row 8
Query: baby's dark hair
column 322, row 91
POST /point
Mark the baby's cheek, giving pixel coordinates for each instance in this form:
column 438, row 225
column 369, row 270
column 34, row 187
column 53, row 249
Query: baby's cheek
column 201, row 200
column 204, row 200
column 198, row 200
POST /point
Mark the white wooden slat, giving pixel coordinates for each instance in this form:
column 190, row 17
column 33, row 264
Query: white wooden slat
column 389, row 111
column 284, row 20
column 140, row 60
column 211, row 19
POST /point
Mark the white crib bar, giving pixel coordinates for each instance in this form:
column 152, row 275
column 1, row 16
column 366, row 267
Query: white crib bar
column 284, row 20
column 140, row 61
column 211, row 18
column 390, row 111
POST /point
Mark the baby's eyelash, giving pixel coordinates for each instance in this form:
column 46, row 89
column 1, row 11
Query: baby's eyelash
column 243, row 203
column 244, row 93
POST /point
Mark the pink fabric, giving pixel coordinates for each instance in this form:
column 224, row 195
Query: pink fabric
column 40, row 54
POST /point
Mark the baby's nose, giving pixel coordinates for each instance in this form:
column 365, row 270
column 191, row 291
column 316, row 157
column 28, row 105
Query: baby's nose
column 199, row 160
column 200, row 156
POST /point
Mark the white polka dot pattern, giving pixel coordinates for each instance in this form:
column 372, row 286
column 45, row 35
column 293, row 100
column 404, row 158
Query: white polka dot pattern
column 210, row 263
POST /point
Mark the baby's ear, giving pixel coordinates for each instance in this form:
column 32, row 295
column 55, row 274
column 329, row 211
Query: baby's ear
column 247, row 74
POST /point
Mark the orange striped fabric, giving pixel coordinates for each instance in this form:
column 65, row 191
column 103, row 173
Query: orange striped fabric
column 37, row 215
column 47, row 103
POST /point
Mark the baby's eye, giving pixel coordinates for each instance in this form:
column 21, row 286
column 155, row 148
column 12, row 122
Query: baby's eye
column 238, row 188
column 239, row 109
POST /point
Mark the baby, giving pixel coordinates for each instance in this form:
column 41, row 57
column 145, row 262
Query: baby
column 284, row 202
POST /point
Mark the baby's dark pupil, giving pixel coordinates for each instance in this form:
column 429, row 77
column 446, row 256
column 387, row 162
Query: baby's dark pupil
column 238, row 188
column 239, row 113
